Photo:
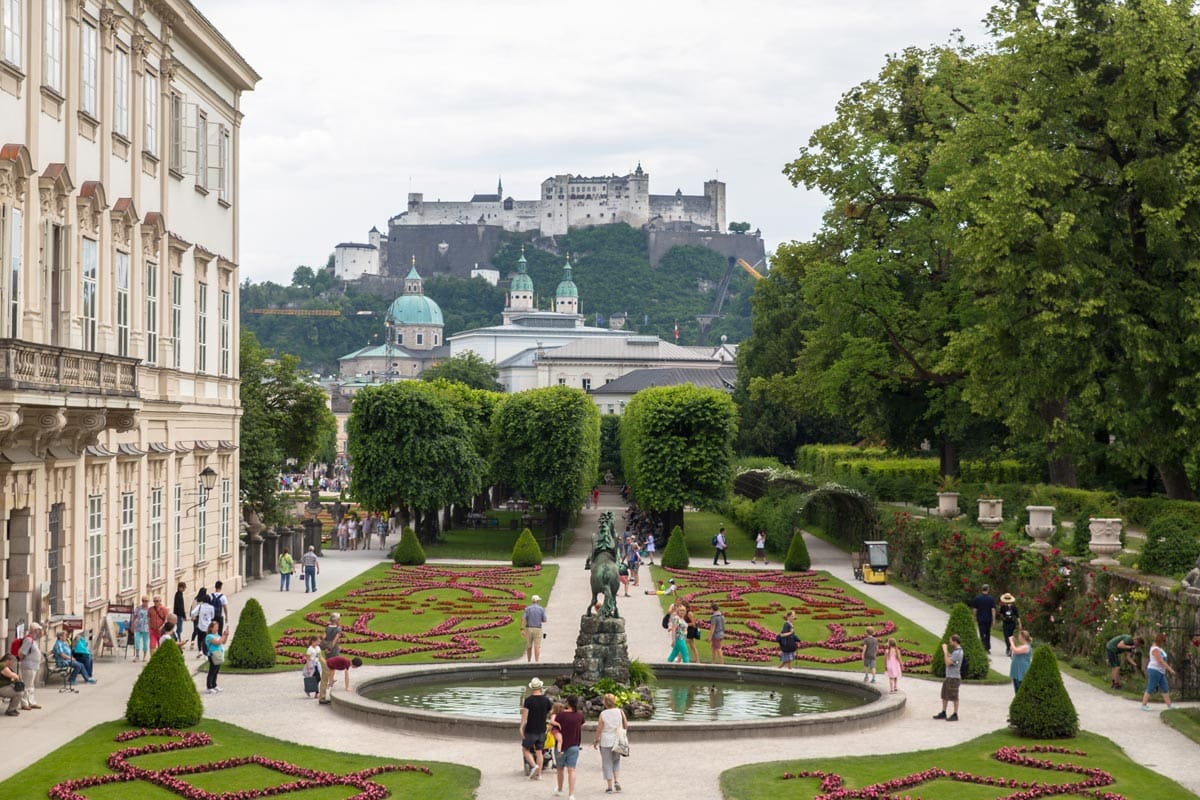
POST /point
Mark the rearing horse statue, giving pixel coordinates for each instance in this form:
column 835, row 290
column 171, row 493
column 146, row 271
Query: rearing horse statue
column 603, row 563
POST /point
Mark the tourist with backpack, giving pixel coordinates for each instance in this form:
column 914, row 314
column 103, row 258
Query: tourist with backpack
column 220, row 604
column 720, row 547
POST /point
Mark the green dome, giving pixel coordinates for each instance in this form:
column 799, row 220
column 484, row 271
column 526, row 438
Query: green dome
column 567, row 287
column 414, row 309
column 521, row 282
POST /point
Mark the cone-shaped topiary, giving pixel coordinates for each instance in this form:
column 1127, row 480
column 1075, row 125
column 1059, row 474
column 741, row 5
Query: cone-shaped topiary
column 962, row 622
column 164, row 695
column 526, row 552
column 675, row 554
column 797, row 555
column 251, row 647
column 1042, row 708
column 409, row 552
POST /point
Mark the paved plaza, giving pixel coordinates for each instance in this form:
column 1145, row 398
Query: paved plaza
column 274, row 705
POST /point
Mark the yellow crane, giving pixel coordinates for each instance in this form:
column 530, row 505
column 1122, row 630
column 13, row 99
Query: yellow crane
column 758, row 276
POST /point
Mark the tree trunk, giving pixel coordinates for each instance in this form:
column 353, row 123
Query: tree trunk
column 426, row 525
column 671, row 518
column 1061, row 464
column 1175, row 480
column 950, row 462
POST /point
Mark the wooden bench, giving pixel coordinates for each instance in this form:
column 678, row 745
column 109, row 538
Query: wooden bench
column 54, row 669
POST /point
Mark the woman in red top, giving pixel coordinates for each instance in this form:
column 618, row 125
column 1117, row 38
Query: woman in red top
column 158, row 617
column 570, row 723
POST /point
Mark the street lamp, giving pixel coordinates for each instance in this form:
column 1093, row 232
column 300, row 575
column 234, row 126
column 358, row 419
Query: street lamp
column 208, row 480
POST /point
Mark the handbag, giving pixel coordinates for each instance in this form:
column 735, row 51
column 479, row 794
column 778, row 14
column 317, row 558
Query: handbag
column 18, row 686
column 621, row 747
column 217, row 656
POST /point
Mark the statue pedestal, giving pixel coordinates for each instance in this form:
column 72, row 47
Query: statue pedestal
column 601, row 651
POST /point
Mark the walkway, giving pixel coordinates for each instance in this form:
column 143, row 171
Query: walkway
column 274, row 704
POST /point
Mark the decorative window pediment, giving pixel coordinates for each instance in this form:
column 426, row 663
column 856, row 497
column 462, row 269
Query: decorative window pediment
column 124, row 220
column 15, row 168
column 54, row 188
column 154, row 228
column 91, row 203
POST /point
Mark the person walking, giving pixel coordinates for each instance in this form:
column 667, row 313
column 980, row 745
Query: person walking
column 870, row 655
column 30, row 658
column 693, row 632
column 214, row 643
column 570, row 726
column 1021, row 649
column 677, row 625
column 534, row 712
column 159, row 617
column 1156, row 673
column 9, row 679
column 141, row 630
column 612, row 720
column 1010, row 619
column 202, row 617
column 787, row 641
column 717, row 636
column 1122, row 646
column 720, row 547
column 312, row 568
column 633, row 561
column 381, row 528
column 760, row 548
column 285, row 567
column 893, row 665
column 532, row 620
column 220, row 604
column 179, row 609
column 985, row 614
column 953, row 655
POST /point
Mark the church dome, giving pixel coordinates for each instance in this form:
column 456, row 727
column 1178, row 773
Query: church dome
column 521, row 282
column 567, row 287
column 413, row 307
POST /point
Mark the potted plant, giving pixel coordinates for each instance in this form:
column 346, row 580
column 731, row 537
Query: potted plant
column 947, row 496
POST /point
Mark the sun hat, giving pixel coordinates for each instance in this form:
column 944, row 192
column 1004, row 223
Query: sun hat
column 537, row 598
column 536, row 683
column 1007, row 598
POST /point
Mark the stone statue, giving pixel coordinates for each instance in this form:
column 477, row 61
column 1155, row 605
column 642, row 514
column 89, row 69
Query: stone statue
column 603, row 562
column 1191, row 581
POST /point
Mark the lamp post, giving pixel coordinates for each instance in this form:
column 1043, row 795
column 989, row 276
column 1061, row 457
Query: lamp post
column 208, row 480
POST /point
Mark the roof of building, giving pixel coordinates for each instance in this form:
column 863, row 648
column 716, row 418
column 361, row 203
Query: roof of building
column 723, row 378
column 627, row 348
column 413, row 307
column 485, row 198
column 567, row 287
column 357, row 245
column 521, row 282
column 525, row 358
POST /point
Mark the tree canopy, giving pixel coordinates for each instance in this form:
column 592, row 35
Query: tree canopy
column 467, row 368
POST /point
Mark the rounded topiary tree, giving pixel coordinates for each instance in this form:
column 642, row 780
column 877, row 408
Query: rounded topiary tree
column 164, row 695
column 1171, row 545
column 962, row 622
column 525, row 552
column 251, row 647
column 409, row 551
column 1042, row 708
column 797, row 559
column 675, row 554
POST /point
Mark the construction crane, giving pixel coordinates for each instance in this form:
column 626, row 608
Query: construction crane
column 758, row 276
column 306, row 312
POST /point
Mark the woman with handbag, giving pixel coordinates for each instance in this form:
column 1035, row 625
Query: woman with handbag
column 787, row 641
column 215, row 643
column 11, row 686
column 612, row 739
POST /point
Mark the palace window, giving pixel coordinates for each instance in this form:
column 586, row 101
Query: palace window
column 121, row 92
column 177, row 524
column 16, row 231
column 225, row 515
column 201, row 150
column 95, row 547
column 150, row 113
column 156, row 533
column 151, row 313
column 127, row 540
column 13, row 25
column 122, row 304
column 201, row 533
column 90, row 68
column 226, row 354
column 201, row 327
column 52, row 14
column 176, row 318
column 91, row 252
column 176, row 132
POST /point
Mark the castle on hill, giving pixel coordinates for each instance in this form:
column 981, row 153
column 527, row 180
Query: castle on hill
column 461, row 237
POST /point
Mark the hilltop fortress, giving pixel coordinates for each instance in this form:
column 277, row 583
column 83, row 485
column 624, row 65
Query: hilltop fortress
column 457, row 237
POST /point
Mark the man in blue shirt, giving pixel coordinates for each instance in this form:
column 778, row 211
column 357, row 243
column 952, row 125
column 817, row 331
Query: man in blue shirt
column 532, row 620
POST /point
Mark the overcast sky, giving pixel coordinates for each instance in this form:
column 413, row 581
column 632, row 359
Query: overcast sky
column 363, row 101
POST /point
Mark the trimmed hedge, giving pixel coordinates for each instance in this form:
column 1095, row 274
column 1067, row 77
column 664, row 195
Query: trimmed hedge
column 797, row 555
column 526, row 552
column 1042, row 708
column 164, row 695
column 409, row 551
column 675, row 554
column 252, row 646
column 962, row 622
column 1141, row 511
column 1171, row 544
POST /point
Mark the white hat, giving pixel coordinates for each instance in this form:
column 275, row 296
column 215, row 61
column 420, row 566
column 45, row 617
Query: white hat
column 536, row 683
column 537, row 598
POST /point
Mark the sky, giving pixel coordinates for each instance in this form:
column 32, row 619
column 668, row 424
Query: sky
column 363, row 101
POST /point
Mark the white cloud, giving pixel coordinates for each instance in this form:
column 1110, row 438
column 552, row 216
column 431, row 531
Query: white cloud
column 363, row 101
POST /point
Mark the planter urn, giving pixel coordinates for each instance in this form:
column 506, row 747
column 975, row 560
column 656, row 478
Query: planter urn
column 991, row 511
column 947, row 504
column 1041, row 526
column 1106, row 539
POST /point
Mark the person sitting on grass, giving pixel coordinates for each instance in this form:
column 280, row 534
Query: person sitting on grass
column 661, row 590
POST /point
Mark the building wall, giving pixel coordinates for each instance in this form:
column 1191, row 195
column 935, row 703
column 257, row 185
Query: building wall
column 99, row 498
column 351, row 262
column 747, row 246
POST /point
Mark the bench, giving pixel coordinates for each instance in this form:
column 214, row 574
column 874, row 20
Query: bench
column 56, row 670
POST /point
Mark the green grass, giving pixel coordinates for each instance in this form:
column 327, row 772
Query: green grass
column 411, row 601
column 491, row 544
column 700, row 526
column 1133, row 781
column 1184, row 720
column 86, row 756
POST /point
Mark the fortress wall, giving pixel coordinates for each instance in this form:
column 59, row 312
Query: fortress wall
column 466, row 246
column 730, row 245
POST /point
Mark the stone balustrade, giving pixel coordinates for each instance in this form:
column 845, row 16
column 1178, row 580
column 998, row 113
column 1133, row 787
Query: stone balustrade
column 26, row 365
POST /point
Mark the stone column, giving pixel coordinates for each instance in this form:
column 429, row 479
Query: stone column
column 271, row 550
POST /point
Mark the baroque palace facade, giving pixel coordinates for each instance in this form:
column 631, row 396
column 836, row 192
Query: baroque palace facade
column 119, row 409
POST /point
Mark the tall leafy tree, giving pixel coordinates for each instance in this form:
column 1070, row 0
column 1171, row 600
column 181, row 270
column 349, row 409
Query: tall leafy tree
column 467, row 368
column 411, row 447
column 547, row 448
column 677, row 449
column 284, row 415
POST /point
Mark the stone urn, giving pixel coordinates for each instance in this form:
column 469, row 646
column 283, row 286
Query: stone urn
column 1041, row 526
column 947, row 504
column 991, row 511
column 1106, row 539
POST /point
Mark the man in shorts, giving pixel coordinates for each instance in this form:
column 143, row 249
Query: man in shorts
column 1122, row 645
column 534, row 712
column 953, row 655
column 532, row 620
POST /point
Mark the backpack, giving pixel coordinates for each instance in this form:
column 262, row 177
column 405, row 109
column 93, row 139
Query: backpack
column 666, row 621
column 962, row 668
column 214, row 600
column 714, row 541
column 15, row 647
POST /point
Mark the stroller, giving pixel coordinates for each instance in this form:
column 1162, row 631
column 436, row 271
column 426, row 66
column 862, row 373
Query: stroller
column 548, row 756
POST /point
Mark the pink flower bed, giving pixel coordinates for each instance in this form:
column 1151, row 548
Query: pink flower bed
column 1094, row 779
column 169, row 778
column 810, row 595
column 483, row 600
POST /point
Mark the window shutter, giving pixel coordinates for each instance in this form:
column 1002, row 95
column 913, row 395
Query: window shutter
column 188, row 128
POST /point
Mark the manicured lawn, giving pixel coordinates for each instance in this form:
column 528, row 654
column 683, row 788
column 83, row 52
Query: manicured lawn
column 831, row 617
column 1184, row 720
column 700, row 526
column 429, row 614
column 87, row 755
column 492, row 544
column 972, row 762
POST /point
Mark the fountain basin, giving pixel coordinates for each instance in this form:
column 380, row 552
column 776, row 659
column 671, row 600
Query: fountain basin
column 870, row 706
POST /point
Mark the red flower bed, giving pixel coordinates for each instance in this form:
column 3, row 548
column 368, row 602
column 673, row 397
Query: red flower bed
column 487, row 599
column 168, row 777
column 832, row 785
column 810, row 595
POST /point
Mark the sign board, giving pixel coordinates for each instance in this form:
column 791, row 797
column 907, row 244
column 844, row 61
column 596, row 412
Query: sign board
column 72, row 622
column 116, row 628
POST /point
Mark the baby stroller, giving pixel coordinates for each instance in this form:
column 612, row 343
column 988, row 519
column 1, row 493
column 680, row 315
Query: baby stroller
column 548, row 761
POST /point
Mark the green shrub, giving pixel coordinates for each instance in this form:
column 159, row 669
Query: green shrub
column 1171, row 544
column 641, row 673
column 1141, row 511
column 797, row 555
column 675, row 554
column 525, row 552
column 409, row 551
column 164, row 695
column 962, row 622
column 251, row 647
column 1042, row 708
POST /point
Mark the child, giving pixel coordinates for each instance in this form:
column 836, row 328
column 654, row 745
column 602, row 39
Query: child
column 650, row 549
column 892, row 664
column 554, row 728
column 870, row 654
column 312, row 667
column 623, row 575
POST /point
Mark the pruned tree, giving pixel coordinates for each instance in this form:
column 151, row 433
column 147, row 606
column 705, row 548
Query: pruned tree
column 467, row 368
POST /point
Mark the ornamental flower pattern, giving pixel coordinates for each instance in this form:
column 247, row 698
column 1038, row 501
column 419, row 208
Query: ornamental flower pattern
column 169, row 778
column 748, row 636
column 483, row 599
column 832, row 785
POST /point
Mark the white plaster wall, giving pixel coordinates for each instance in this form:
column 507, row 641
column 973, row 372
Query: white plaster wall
column 354, row 262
